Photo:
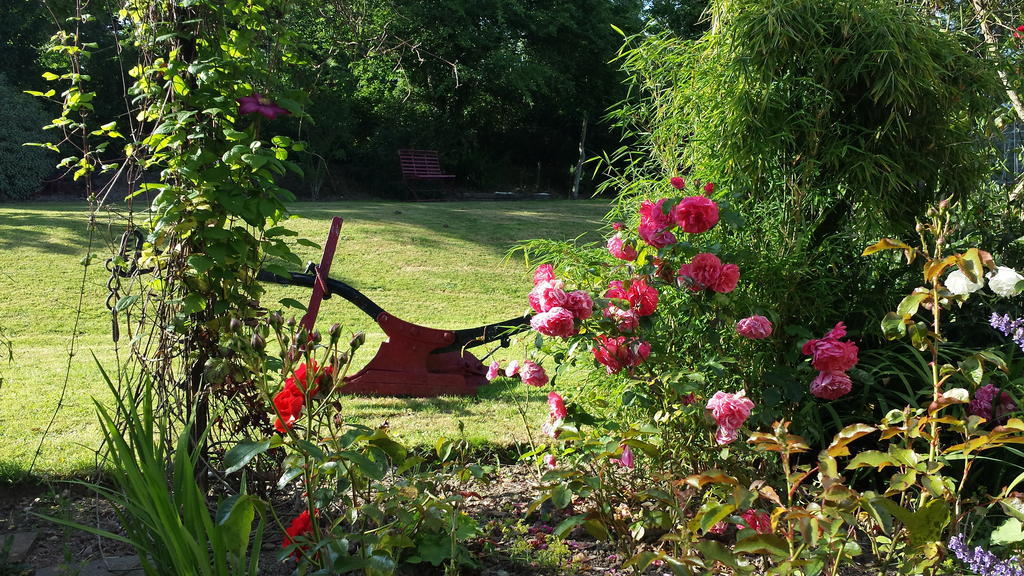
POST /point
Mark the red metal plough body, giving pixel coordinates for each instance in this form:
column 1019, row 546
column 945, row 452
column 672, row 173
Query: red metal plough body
column 414, row 360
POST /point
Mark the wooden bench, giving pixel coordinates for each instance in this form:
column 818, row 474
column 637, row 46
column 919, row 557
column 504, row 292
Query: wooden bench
column 421, row 172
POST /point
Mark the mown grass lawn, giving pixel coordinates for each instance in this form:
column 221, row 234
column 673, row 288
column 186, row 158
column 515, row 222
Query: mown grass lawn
column 442, row 265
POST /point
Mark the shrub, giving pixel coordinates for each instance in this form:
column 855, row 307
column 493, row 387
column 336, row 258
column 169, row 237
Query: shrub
column 22, row 168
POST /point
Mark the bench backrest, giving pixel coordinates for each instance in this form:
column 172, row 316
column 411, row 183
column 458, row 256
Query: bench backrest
column 420, row 163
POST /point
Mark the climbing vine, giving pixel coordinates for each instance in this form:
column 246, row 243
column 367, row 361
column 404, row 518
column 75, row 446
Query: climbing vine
column 203, row 143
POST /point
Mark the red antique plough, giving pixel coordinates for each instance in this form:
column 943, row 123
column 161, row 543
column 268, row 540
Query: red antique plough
column 414, row 360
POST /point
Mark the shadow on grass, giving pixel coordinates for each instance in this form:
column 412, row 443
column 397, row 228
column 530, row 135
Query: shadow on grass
column 469, row 222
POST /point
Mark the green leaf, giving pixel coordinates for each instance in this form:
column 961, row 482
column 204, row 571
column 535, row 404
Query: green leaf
column 242, row 453
column 909, row 305
column 1008, row 533
column 126, row 302
column 201, row 263
column 561, row 496
column 566, row 526
column 926, row 524
column 763, row 544
column 872, row 458
column 235, row 516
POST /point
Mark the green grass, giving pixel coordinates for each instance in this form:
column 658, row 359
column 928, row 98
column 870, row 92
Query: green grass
column 441, row 265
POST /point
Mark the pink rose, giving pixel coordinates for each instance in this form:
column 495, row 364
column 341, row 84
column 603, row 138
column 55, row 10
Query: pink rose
column 701, row 272
column 837, row 332
column 677, row 183
column 727, row 279
column 621, row 250
column 655, row 224
column 580, row 304
column 643, row 299
column 754, row 327
column 532, row 374
column 550, row 461
column 719, row 527
column 512, row 369
column 695, row 214
column 709, row 187
column 626, row 460
column 730, row 411
column 831, row 385
column 544, row 273
column 616, row 290
column 547, row 295
column 556, row 322
column 625, row 320
column 725, row 435
column 492, row 370
column 556, row 407
column 760, row 522
column 833, row 355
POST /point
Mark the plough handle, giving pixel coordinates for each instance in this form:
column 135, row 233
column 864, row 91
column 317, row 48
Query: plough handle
column 465, row 338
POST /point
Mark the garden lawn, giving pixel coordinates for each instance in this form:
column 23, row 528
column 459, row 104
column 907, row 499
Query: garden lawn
column 441, row 265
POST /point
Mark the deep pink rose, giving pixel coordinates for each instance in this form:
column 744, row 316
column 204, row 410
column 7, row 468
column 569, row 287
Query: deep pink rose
column 618, row 353
column 550, row 461
column 719, row 528
column 730, row 411
column 709, row 187
column 655, row 224
column 625, row 320
column 831, row 385
column 695, row 214
column 642, row 298
column 544, row 273
column 754, row 327
column 512, row 369
column 837, row 332
column 547, row 295
column 556, row 406
column 701, row 272
column 760, row 522
column 556, row 322
column 580, row 304
column 727, row 279
column 532, row 374
column 991, row 403
column 257, row 104
column 616, row 290
column 833, row 355
column 620, row 249
column 492, row 370
column 618, row 226
column 829, row 354
column 677, row 182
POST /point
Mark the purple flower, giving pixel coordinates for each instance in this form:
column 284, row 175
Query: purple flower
column 991, row 403
column 1012, row 327
column 257, row 104
column 983, row 562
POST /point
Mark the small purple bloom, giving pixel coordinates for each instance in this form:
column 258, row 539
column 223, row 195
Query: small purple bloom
column 626, row 460
column 1012, row 327
column 983, row 562
column 257, row 104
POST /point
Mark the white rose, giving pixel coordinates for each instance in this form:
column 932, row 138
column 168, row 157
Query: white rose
column 1004, row 281
column 958, row 283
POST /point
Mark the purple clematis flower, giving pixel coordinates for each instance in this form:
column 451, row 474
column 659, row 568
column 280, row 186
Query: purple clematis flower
column 257, row 104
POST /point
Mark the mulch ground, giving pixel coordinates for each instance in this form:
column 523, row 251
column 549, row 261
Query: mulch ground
column 511, row 544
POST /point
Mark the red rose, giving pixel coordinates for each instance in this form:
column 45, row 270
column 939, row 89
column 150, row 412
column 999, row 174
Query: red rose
column 301, row 525
column 677, row 182
column 625, row 320
column 643, row 299
column 760, row 522
column 695, row 214
column 830, row 355
column 556, row 406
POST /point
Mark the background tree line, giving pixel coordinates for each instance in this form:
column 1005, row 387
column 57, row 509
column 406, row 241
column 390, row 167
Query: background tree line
column 499, row 87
